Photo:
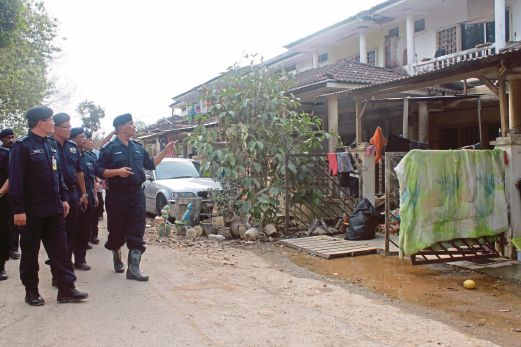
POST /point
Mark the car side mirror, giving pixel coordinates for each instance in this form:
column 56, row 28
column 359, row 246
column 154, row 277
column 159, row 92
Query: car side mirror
column 149, row 177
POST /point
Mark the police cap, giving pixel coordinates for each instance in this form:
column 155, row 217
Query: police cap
column 60, row 118
column 120, row 120
column 76, row 131
column 6, row 132
column 39, row 113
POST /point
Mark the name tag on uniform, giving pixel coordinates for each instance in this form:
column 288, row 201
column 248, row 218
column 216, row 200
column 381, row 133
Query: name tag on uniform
column 73, row 150
column 118, row 153
column 53, row 150
column 36, row 151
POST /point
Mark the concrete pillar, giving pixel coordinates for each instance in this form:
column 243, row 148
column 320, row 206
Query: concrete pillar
column 499, row 14
column 411, row 50
column 363, row 47
column 367, row 174
column 514, row 103
column 512, row 146
column 315, row 58
column 157, row 147
column 332, row 121
column 423, row 122
column 405, row 121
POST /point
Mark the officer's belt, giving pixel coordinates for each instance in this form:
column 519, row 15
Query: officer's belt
column 130, row 189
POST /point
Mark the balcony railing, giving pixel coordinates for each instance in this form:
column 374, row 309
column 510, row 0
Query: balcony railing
column 451, row 59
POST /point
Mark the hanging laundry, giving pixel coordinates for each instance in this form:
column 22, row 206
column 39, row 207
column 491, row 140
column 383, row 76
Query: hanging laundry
column 447, row 195
column 344, row 164
column 379, row 141
column 333, row 165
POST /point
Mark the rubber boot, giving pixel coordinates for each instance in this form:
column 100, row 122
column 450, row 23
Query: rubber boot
column 119, row 267
column 3, row 274
column 133, row 273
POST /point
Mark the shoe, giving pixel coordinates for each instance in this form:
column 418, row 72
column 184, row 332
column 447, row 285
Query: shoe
column 83, row 266
column 33, row 298
column 119, row 267
column 89, row 246
column 14, row 255
column 3, row 274
column 133, row 272
column 66, row 295
column 94, row 240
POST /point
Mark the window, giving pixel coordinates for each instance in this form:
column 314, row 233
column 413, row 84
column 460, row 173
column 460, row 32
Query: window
column 371, row 57
column 394, row 32
column 447, row 40
column 484, row 32
column 292, row 68
column 322, row 58
column 419, row 25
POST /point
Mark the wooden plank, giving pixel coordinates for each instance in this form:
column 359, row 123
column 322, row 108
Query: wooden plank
column 328, row 247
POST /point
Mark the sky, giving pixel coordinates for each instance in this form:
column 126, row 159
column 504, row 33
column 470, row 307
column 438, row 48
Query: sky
column 133, row 56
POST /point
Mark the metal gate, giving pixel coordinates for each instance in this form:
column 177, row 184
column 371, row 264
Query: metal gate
column 316, row 196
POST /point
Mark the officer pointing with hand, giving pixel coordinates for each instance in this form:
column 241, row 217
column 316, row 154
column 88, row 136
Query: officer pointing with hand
column 122, row 163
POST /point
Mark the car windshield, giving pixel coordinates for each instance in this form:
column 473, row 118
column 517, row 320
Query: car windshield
column 176, row 169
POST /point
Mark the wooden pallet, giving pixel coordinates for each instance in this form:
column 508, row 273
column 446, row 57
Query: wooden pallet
column 329, row 247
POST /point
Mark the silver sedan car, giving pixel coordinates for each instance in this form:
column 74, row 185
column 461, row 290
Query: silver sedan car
column 172, row 179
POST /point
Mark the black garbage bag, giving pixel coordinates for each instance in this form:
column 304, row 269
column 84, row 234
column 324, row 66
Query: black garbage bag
column 362, row 222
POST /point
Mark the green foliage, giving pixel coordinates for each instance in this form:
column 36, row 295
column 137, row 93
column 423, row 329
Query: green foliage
column 90, row 114
column 258, row 125
column 27, row 36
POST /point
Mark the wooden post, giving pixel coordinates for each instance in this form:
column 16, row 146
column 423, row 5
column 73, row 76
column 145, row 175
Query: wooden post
column 405, row 132
column 514, row 103
column 358, row 122
column 480, row 124
column 503, row 107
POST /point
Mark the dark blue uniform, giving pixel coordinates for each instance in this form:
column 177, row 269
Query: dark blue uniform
column 88, row 160
column 37, row 189
column 5, row 210
column 70, row 157
column 125, row 199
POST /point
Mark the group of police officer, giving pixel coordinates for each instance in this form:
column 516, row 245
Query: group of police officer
column 48, row 193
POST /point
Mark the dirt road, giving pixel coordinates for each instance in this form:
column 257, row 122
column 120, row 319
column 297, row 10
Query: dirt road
column 211, row 294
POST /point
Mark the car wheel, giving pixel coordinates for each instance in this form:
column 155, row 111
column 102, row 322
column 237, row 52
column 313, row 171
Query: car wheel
column 160, row 203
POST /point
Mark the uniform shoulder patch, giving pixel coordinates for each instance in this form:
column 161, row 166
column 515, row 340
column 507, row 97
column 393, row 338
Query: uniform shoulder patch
column 22, row 139
column 72, row 143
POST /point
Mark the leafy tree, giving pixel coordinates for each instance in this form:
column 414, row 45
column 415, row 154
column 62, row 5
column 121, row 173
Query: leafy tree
column 27, row 47
column 90, row 114
column 258, row 125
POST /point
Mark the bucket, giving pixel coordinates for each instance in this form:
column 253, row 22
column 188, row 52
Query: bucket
column 517, row 243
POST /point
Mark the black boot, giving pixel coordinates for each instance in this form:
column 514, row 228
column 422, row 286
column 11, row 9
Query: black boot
column 119, row 267
column 133, row 273
column 70, row 294
column 33, row 297
column 3, row 274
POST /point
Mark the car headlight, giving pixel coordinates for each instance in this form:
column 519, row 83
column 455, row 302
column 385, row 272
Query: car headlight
column 176, row 195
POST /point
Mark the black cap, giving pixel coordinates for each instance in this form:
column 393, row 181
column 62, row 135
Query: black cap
column 6, row 132
column 76, row 131
column 39, row 113
column 88, row 134
column 60, row 118
column 120, row 120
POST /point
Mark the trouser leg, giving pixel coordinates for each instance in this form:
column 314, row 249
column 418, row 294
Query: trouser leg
column 85, row 221
column 30, row 237
column 72, row 222
column 54, row 240
column 135, row 221
column 117, row 215
column 14, row 237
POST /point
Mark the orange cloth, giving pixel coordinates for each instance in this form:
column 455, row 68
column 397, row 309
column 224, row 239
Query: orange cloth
column 379, row 141
column 333, row 165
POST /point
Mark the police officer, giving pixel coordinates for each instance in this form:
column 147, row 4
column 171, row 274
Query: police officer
column 39, row 202
column 74, row 179
column 89, row 151
column 5, row 210
column 121, row 163
column 88, row 159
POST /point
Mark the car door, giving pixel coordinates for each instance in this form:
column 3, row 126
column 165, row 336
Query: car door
column 150, row 189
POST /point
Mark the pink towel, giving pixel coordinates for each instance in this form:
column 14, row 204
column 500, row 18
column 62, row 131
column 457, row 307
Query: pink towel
column 333, row 166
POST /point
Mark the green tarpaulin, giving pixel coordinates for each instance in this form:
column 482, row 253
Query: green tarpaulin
column 445, row 195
